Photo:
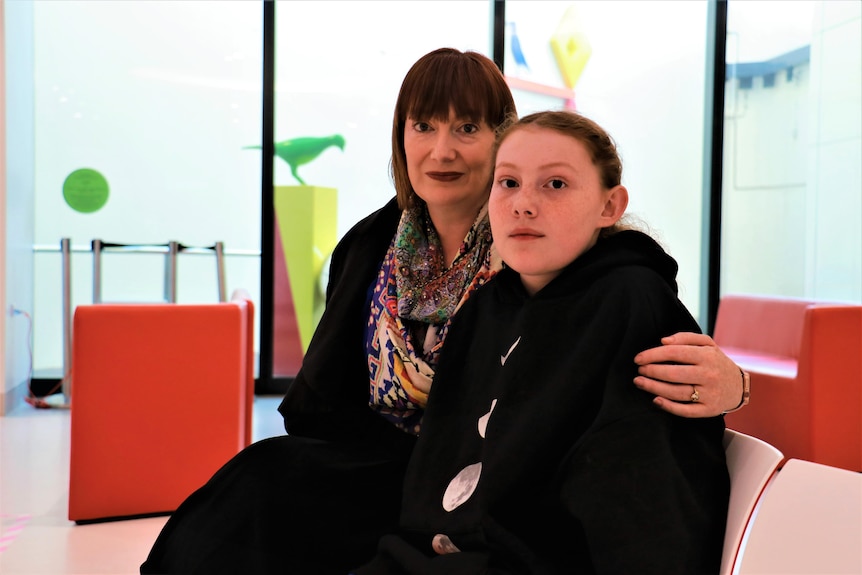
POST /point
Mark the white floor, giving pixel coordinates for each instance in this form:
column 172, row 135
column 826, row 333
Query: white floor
column 35, row 534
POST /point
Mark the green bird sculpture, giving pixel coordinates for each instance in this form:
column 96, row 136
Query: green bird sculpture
column 300, row 151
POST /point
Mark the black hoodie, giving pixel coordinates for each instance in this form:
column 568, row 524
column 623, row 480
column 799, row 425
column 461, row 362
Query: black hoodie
column 578, row 471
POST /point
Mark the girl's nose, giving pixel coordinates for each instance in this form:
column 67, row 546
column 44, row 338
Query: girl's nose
column 524, row 203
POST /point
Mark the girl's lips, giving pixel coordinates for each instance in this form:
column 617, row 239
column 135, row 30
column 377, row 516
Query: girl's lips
column 525, row 233
column 443, row 176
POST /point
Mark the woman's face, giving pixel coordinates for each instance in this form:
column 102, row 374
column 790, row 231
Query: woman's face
column 449, row 162
column 547, row 203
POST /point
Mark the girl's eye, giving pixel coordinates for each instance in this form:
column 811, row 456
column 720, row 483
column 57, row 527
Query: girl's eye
column 508, row 183
column 557, row 184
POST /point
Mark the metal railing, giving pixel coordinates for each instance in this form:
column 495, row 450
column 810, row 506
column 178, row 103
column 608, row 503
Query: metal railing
column 97, row 247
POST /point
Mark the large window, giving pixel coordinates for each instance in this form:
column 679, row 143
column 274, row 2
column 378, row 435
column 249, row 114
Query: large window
column 792, row 184
column 142, row 114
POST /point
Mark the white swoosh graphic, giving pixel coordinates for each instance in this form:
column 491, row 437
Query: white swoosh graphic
column 503, row 358
column 483, row 421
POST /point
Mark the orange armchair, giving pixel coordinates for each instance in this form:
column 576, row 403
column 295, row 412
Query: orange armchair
column 805, row 361
column 162, row 397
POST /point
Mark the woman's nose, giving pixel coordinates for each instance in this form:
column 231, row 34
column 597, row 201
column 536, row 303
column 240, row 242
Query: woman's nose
column 443, row 146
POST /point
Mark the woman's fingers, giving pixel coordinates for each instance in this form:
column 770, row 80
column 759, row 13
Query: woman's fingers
column 683, row 347
column 672, row 391
column 676, row 398
column 684, row 360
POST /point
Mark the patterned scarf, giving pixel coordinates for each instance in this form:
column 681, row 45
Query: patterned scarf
column 415, row 297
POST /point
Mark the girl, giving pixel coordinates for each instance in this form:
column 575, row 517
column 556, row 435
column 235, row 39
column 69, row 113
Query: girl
column 537, row 455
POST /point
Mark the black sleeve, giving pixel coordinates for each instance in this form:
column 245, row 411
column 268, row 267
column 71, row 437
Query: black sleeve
column 657, row 484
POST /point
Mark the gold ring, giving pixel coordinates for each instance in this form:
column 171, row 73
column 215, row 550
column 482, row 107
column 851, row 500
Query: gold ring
column 694, row 394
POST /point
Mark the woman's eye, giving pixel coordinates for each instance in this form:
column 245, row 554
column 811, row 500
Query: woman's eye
column 421, row 126
column 470, row 128
column 557, row 184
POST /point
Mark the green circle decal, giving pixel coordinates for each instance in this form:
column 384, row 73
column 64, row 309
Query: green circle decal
column 85, row 190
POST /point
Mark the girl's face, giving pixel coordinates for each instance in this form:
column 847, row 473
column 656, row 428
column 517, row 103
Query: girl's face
column 547, row 204
column 449, row 162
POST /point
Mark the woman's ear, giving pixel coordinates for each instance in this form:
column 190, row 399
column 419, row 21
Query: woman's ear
column 615, row 205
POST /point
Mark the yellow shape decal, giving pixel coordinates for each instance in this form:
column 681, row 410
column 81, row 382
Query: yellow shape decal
column 571, row 47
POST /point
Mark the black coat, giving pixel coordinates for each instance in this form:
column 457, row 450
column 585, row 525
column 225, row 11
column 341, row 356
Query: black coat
column 580, row 472
column 329, row 397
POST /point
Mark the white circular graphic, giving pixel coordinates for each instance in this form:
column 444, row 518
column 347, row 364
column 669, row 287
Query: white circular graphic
column 462, row 486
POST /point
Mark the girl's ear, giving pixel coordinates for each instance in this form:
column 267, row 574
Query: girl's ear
column 615, row 205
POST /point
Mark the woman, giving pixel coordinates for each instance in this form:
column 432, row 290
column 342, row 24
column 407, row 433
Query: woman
column 537, row 455
column 318, row 499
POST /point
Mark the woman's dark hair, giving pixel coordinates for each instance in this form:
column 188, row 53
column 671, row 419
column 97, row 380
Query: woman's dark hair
column 443, row 80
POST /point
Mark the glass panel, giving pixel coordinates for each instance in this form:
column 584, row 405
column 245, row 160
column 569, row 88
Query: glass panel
column 155, row 102
column 339, row 65
column 644, row 84
column 792, row 189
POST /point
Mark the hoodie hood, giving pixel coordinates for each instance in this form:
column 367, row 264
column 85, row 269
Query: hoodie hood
column 622, row 249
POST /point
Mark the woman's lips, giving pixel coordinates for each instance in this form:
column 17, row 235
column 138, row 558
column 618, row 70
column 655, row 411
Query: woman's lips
column 444, row 176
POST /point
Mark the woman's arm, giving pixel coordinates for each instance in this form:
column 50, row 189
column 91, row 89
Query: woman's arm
column 690, row 359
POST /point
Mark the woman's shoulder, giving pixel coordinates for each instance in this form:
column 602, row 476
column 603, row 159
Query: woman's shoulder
column 383, row 220
column 372, row 234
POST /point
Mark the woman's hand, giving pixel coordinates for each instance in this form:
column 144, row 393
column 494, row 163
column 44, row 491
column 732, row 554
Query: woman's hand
column 686, row 362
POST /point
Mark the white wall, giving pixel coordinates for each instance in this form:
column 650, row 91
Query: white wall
column 16, row 199
column 3, row 322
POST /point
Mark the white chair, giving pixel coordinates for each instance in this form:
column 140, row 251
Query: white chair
column 751, row 463
column 809, row 522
